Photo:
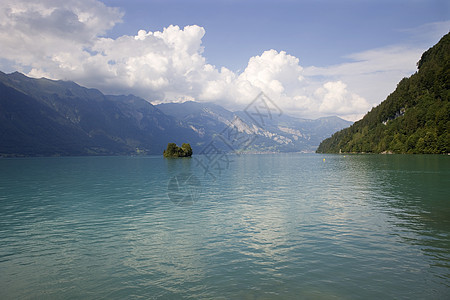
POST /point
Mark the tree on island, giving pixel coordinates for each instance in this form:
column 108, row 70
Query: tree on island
column 174, row 151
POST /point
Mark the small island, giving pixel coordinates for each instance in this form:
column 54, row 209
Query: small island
column 174, row 151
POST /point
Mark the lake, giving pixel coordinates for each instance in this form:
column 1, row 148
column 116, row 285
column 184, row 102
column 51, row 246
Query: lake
column 272, row 226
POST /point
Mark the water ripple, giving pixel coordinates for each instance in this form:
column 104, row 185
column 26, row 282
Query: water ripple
column 270, row 227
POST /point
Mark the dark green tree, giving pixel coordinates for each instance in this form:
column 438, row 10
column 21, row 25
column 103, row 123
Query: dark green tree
column 174, row 151
column 186, row 149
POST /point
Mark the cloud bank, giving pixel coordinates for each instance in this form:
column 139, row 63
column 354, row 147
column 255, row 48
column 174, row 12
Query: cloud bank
column 66, row 40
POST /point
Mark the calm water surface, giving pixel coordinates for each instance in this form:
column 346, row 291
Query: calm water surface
column 297, row 226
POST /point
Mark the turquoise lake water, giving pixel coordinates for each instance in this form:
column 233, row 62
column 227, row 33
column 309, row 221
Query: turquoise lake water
column 286, row 226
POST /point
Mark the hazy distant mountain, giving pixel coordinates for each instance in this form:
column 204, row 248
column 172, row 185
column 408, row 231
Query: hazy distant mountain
column 279, row 133
column 42, row 117
column 46, row 117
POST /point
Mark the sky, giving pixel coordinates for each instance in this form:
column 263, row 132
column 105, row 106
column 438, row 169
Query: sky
column 313, row 58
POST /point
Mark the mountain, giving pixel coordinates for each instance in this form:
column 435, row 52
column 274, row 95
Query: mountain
column 43, row 117
column 279, row 133
column 415, row 118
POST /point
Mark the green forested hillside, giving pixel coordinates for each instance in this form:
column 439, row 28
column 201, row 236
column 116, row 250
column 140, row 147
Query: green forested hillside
column 415, row 118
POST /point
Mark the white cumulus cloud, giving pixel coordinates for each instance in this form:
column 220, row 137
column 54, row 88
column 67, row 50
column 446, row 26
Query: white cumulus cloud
column 40, row 33
column 374, row 73
column 280, row 76
column 68, row 40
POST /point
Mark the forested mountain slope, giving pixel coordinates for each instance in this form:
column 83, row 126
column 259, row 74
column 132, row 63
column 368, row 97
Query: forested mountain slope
column 415, row 118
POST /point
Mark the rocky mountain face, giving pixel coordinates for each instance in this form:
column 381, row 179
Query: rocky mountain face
column 42, row 117
column 275, row 132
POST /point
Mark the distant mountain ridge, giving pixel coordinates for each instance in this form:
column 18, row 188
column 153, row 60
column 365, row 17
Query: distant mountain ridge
column 415, row 118
column 279, row 134
column 43, row 117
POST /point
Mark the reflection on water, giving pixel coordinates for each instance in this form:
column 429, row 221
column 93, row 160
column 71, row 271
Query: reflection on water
column 413, row 191
column 270, row 226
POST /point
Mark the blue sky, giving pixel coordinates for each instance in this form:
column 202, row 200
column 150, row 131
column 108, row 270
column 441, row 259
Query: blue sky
column 318, row 32
column 314, row 58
